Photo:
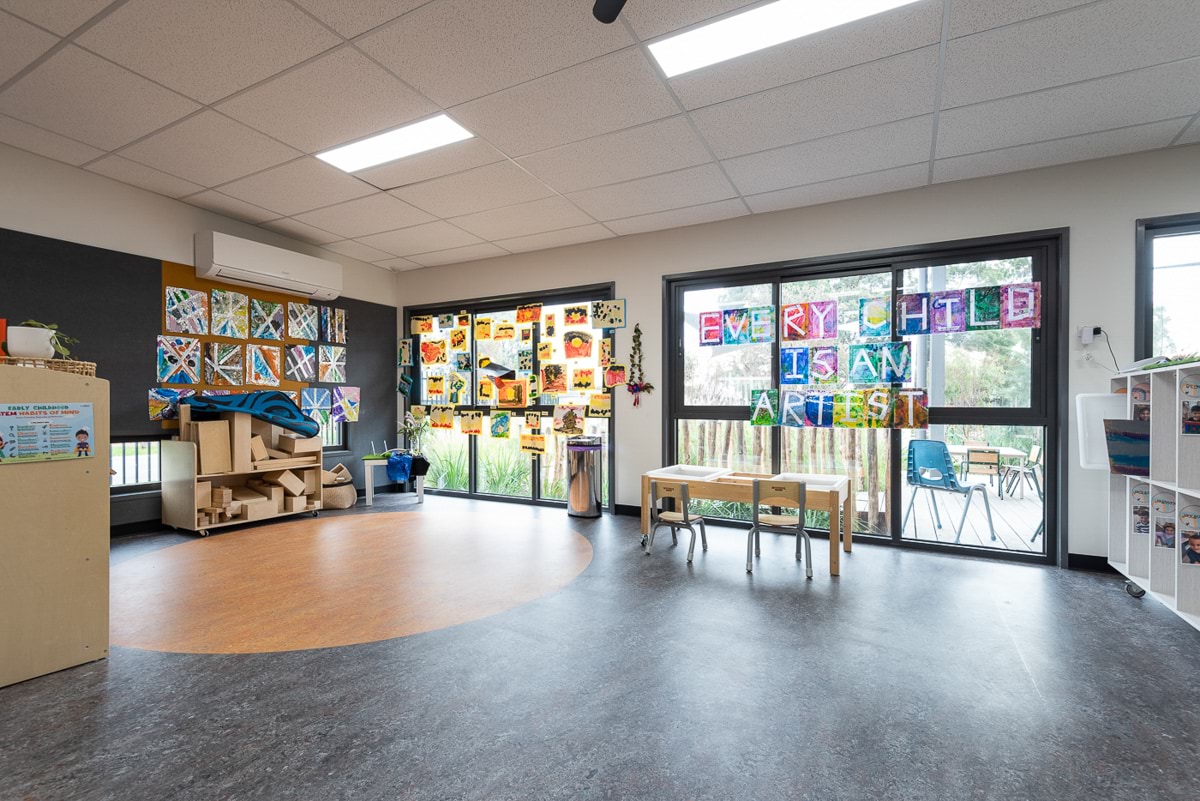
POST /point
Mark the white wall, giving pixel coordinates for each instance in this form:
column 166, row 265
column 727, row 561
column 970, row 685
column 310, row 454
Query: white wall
column 1098, row 200
column 49, row 198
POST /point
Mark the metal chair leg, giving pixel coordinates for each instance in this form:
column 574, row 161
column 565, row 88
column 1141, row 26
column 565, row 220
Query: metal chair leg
column 692, row 546
column 650, row 541
column 750, row 549
column 757, row 542
column 912, row 499
column 966, row 508
column 807, row 555
column 988, row 506
column 703, row 536
column 1041, row 529
column 937, row 516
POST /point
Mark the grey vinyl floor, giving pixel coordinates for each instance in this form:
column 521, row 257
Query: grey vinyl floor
column 913, row 676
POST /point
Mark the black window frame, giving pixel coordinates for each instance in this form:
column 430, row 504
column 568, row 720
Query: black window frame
column 498, row 303
column 1146, row 232
column 1048, row 407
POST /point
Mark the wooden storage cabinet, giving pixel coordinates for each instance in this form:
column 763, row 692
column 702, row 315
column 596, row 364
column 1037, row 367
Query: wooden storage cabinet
column 287, row 481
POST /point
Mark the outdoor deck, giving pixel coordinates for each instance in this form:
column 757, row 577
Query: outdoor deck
column 1015, row 518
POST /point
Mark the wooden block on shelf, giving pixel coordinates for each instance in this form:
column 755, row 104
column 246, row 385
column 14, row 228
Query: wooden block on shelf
column 258, row 511
column 291, row 483
column 273, row 494
column 273, row 453
column 221, row 496
column 234, row 508
column 313, row 505
column 203, row 494
column 213, row 436
column 258, row 448
column 239, row 440
column 247, row 495
column 299, row 445
column 295, row 503
column 281, row 464
column 312, row 481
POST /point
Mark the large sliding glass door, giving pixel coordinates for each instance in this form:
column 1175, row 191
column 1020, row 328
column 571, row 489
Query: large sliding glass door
column 991, row 392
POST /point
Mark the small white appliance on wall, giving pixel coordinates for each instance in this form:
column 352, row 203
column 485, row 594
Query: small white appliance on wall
column 221, row 257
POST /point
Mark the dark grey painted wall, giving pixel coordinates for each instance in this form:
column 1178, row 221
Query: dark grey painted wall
column 110, row 301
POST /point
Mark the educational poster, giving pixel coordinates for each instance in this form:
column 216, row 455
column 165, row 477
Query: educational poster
column 187, row 311
column 577, row 344
column 554, row 378
column 263, row 365
column 458, row 339
column 583, row 379
column 615, row 375
column 470, row 421
column 911, row 409
column 420, row 324
column 575, row 315
column 313, row 399
column 606, row 351
column 223, row 364
column 43, row 432
column 302, row 321
column 948, row 312
column 530, row 314
column 599, row 405
column 545, row 351
column 533, row 444
column 500, row 424
column 764, row 407
column 231, row 315
column 1189, row 393
column 608, row 313
column 301, row 363
column 433, row 351
column 441, row 417
column 533, row 420
column 404, row 357
column 512, row 393
column 178, row 360
column 1021, row 306
column 1189, row 535
column 436, row 385
column 486, row 391
column 483, row 328
column 823, row 365
column 333, row 325
column 164, row 402
column 874, row 317
column 331, row 365
column 266, row 319
column 548, row 326
column 568, row 420
column 504, row 331
column 793, row 365
column 344, row 404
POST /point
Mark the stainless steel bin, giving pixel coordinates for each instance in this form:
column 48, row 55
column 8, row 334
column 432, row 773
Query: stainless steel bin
column 584, row 476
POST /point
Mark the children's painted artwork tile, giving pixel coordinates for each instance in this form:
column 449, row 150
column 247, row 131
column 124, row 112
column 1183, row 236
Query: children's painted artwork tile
column 483, row 328
column 470, row 421
column 575, row 315
column 315, row 398
column 795, row 322
column 462, row 362
column 441, row 417
column 500, row 424
column 874, row 317
column 529, row 314
column 912, row 314
column 504, row 331
column 266, row 319
column 764, row 407
column 711, row 328
column 533, row 421
column 178, row 360
column 848, row 410
column 791, row 408
column 762, row 323
column 864, row 364
column 533, row 444
column 525, row 359
column 458, row 339
column 948, row 312
column 420, row 324
column 608, row 313
column 435, row 385
column 583, row 379
column 344, row 404
column 263, row 365
column 512, row 393
column 445, row 321
column 230, row 314
column 457, row 386
column 223, row 364
column 545, row 351
column 433, row 351
column 485, row 390
column 331, row 365
column 983, row 308
column 793, row 365
column 736, row 326
column 615, row 375
column 823, row 365
column 333, row 325
column 302, row 321
column 462, row 320
column 187, row 310
column 1021, row 306
column 818, row 410
column 599, row 405
column 548, row 325
column 554, row 378
column 878, row 406
column 577, row 344
column 568, row 419
column 912, row 409
column 606, row 351
column 525, row 334
column 895, row 362
column 164, row 402
column 823, row 319
column 404, row 356
column 302, row 363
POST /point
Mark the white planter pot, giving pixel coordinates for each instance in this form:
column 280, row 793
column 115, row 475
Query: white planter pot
column 30, row 343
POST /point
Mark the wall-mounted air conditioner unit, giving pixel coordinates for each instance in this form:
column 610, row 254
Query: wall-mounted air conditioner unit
column 220, row 257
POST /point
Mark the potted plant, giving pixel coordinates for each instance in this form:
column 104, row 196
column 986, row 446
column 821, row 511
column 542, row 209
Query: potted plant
column 34, row 340
column 412, row 429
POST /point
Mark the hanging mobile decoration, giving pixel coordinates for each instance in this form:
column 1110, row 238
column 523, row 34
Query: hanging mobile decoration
column 637, row 383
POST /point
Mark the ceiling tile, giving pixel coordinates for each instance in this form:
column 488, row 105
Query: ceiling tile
column 879, row 36
column 500, row 184
column 130, row 172
column 893, row 145
column 20, row 45
column 875, row 183
column 656, row 147
column 214, row 201
column 973, row 16
column 298, row 186
column 1192, row 134
column 490, row 45
column 653, row 19
column 456, row 255
column 1089, row 42
column 76, row 94
column 399, row 265
column 690, row 187
column 446, row 160
column 329, row 101
column 421, row 239
column 209, row 149
column 679, row 218
column 610, row 93
column 367, row 215
column 1061, row 151
column 208, row 49
column 352, row 17
column 44, row 143
column 556, row 239
column 1149, row 95
column 60, row 16
column 858, row 97
column 357, row 250
column 538, row 216
column 301, row 231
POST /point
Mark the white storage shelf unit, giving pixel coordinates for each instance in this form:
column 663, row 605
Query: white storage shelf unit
column 1171, row 493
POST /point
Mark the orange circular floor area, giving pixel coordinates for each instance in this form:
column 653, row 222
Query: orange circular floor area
column 317, row 583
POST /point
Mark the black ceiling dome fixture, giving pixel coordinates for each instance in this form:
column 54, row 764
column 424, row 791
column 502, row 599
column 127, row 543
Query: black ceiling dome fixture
column 607, row 11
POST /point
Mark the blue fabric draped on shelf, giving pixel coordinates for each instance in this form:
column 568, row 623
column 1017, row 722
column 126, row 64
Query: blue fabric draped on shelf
column 270, row 406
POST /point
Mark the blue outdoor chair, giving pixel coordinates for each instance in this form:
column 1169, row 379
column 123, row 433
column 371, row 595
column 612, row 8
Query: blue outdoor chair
column 930, row 467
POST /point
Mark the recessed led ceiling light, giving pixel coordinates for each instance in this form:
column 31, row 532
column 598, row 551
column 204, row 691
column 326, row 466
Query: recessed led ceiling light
column 407, row 141
column 759, row 28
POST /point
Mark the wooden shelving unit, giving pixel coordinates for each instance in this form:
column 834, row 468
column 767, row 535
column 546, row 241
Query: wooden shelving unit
column 1173, row 486
column 182, row 481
